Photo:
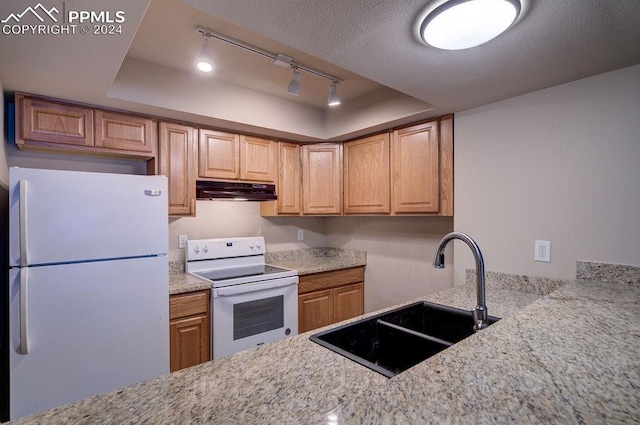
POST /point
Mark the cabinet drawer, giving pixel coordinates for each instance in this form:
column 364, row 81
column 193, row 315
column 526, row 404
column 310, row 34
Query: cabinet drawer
column 326, row 280
column 184, row 305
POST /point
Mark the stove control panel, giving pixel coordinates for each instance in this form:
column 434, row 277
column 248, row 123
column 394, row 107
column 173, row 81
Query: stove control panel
column 208, row 249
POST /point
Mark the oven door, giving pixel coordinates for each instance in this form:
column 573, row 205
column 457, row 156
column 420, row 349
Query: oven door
column 251, row 314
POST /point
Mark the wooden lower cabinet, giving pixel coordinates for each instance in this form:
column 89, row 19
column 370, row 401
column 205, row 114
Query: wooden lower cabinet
column 348, row 302
column 189, row 330
column 330, row 297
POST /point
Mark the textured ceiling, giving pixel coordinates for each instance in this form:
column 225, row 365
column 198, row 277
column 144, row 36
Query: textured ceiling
column 371, row 44
column 555, row 41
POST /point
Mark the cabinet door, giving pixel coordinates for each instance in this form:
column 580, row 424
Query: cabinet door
column 124, row 132
column 178, row 152
column 415, row 162
column 366, row 175
column 348, row 302
column 219, row 155
column 189, row 342
column 321, row 179
column 257, row 159
column 315, row 310
column 289, row 183
column 45, row 121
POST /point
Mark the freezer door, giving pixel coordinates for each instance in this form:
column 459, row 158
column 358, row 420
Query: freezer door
column 91, row 328
column 68, row 216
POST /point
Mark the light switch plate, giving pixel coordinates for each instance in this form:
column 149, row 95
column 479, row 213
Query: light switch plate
column 542, row 251
column 300, row 234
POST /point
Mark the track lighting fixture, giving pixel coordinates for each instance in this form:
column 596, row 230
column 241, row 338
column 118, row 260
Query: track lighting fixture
column 294, row 85
column 334, row 100
column 204, row 62
column 279, row 59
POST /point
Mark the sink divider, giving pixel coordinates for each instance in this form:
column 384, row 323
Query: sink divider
column 414, row 333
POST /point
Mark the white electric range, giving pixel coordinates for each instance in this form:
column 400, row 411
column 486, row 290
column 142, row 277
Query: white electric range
column 252, row 303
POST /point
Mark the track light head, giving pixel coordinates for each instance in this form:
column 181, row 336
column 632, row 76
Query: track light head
column 334, row 100
column 294, row 85
column 204, row 62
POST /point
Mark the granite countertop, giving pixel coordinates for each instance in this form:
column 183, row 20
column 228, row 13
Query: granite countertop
column 572, row 356
column 305, row 261
column 180, row 283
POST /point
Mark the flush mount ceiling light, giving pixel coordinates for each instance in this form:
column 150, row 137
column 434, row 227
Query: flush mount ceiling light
column 278, row 59
column 204, row 62
column 461, row 24
column 294, row 85
column 334, row 100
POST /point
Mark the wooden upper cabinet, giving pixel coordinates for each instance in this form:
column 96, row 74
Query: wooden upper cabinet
column 46, row 121
column 124, row 132
column 178, row 156
column 366, row 175
column 257, row 159
column 415, row 169
column 289, row 182
column 219, row 155
column 322, row 179
column 57, row 126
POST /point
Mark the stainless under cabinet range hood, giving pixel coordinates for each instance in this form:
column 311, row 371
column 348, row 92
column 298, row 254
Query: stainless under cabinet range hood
column 211, row 190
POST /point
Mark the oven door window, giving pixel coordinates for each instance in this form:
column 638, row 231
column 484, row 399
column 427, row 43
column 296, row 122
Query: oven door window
column 256, row 317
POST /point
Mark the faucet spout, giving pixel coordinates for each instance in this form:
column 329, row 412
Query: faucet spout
column 480, row 315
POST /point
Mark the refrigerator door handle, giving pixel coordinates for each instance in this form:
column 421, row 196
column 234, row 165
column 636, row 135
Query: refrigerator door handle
column 23, row 223
column 24, row 314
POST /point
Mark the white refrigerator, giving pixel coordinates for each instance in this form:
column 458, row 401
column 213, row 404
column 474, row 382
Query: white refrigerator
column 88, row 285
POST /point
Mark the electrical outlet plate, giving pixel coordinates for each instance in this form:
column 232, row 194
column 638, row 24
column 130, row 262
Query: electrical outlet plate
column 542, row 251
column 300, row 234
column 182, row 241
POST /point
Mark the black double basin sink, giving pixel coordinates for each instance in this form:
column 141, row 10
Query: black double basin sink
column 394, row 341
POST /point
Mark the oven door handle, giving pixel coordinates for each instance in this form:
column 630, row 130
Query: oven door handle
column 254, row 287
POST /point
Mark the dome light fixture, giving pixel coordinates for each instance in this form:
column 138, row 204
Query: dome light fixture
column 204, row 62
column 334, row 100
column 461, row 24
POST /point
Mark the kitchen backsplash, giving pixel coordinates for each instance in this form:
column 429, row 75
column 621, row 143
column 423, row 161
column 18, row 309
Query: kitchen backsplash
column 607, row 272
column 305, row 254
column 528, row 284
column 585, row 270
column 176, row 267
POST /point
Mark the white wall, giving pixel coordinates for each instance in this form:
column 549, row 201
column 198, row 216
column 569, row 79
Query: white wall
column 222, row 219
column 4, row 167
column 399, row 255
column 561, row 164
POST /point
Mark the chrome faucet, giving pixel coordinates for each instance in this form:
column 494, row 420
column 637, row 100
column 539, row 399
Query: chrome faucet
column 480, row 316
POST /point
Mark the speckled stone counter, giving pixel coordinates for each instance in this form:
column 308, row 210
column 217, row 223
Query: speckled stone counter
column 317, row 260
column 181, row 282
column 572, row 356
column 305, row 261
